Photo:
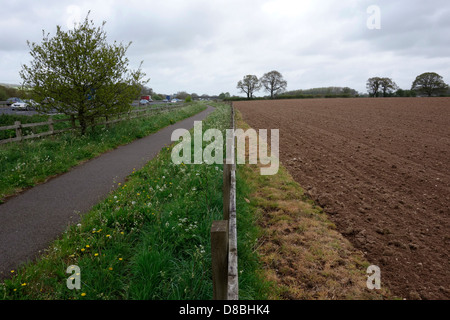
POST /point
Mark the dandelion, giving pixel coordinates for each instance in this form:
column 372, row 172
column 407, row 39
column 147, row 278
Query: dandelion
column 108, row 236
column 24, row 284
column 82, row 250
column 83, row 294
column 120, row 259
column 12, row 271
column 110, row 268
column 138, row 194
column 87, row 246
column 96, row 255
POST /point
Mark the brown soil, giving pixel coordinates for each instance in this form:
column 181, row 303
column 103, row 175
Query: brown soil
column 380, row 169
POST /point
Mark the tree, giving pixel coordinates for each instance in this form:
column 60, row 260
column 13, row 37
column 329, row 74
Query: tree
column 373, row 86
column 387, row 86
column 249, row 85
column 273, row 82
column 225, row 95
column 429, row 83
column 182, row 95
column 79, row 72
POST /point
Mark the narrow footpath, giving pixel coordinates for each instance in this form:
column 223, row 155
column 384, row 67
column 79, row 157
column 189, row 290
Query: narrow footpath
column 30, row 221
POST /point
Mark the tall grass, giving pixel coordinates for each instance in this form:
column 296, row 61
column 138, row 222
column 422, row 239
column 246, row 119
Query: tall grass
column 29, row 162
column 149, row 239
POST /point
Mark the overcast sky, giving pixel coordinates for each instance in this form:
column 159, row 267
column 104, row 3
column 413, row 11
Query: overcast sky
column 207, row 46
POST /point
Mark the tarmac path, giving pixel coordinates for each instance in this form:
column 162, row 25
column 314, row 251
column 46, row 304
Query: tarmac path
column 30, row 221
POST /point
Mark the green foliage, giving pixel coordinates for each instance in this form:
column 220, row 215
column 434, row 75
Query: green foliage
column 82, row 73
column 430, row 83
column 149, row 239
column 188, row 99
column 31, row 161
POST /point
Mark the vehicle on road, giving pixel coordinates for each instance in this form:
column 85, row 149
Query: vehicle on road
column 144, row 102
column 12, row 100
column 18, row 106
column 148, row 98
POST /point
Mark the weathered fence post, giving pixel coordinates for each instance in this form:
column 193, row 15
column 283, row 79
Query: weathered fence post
column 226, row 189
column 51, row 128
column 219, row 259
column 72, row 120
column 18, row 125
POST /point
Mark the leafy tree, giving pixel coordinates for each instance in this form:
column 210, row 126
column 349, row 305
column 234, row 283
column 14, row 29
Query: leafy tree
column 429, row 83
column 273, row 82
column 181, row 95
column 224, row 95
column 249, row 85
column 373, row 86
column 79, row 72
column 387, row 86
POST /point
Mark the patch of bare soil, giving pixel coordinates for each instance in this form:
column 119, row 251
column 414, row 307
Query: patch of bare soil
column 380, row 169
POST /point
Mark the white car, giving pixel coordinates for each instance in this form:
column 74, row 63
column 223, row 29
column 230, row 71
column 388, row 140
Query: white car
column 20, row 106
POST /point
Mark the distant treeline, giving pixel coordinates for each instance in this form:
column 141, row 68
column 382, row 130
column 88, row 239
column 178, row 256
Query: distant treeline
column 9, row 92
column 325, row 92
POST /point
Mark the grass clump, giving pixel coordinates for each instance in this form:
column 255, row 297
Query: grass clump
column 29, row 162
column 149, row 239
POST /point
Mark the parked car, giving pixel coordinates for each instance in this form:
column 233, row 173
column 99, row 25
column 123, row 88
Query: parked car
column 143, row 102
column 20, row 106
column 12, row 100
column 31, row 104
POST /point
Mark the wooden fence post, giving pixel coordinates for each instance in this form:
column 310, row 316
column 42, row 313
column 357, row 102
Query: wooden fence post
column 219, row 259
column 51, row 128
column 18, row 125
column 226, row 189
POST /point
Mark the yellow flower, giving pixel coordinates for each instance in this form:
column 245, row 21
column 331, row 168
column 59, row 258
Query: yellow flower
column 119, row 184
column 83, row 294
column 82, row 250
column 110, row 268
column 108, row 236
column 87, row 246
column 96, row 255
column 138, row 194
column 121, row 232
column 24, row 284
column 120, row 259
column 12, row 271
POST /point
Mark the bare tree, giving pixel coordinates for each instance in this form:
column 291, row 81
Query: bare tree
column 273, row 82
column 249, row 85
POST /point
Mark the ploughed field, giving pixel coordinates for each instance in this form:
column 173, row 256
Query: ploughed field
column 380, row 168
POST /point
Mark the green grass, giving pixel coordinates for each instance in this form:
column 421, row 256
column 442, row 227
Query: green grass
column 149, row 239
column 29, row 162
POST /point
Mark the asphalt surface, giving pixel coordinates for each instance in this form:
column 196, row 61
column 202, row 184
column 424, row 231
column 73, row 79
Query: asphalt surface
column 30, row 221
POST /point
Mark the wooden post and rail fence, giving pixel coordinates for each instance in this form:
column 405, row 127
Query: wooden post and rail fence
column 223, row 232
column 18, row 126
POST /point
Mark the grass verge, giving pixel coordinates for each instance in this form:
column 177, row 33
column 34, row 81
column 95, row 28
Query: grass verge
column 24, row 164
column 149, row 239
